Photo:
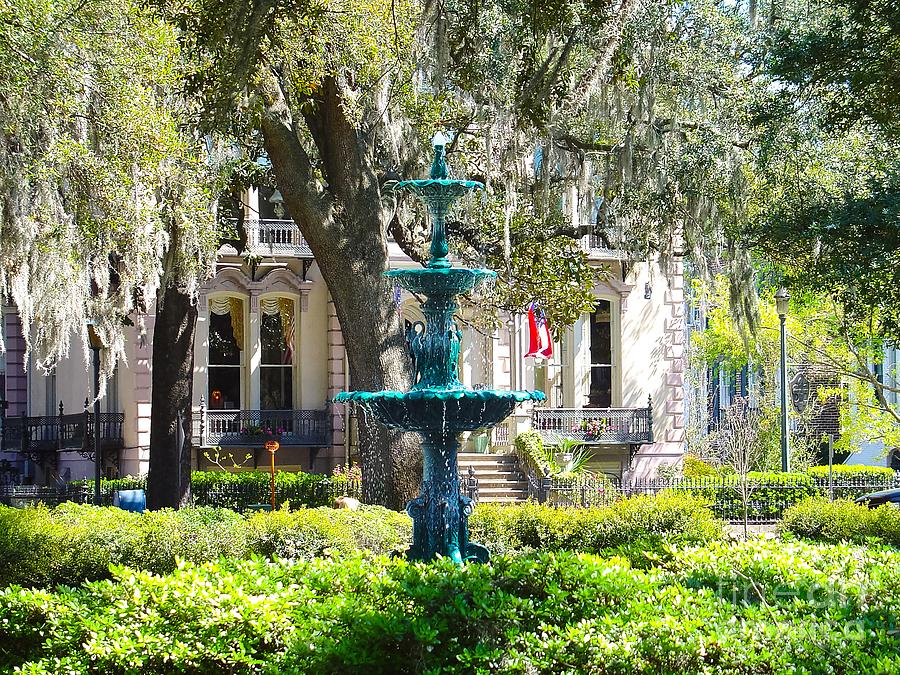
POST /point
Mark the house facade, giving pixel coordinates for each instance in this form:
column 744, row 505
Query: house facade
column 269, row 358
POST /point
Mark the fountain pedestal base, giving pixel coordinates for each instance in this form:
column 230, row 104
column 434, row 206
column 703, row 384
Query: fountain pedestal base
column 441, row 514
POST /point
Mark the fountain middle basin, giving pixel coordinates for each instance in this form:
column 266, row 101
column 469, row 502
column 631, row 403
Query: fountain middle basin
column 439, row 410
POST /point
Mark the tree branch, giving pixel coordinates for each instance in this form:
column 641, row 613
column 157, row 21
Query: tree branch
column 306, row 202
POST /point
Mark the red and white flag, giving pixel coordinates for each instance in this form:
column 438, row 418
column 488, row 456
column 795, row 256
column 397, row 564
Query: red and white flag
column 540, row 344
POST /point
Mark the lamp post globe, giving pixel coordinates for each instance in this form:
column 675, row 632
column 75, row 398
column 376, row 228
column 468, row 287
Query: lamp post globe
column 782, row 301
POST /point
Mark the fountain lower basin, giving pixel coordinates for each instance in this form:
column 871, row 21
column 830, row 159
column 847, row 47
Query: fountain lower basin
column 439, row 410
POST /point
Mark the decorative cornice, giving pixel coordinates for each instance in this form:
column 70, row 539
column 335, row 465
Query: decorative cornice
column 280, row 281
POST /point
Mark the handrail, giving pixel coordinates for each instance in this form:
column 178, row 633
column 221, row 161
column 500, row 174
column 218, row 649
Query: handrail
column 59, row 433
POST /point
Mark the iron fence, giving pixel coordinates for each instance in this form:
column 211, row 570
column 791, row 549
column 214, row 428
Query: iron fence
column 21, row 496
column 237, row 496
column 766, row 499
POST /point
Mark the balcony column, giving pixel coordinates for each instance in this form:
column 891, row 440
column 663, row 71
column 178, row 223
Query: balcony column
column 201, row 351
column 253, row 355
column 251, row 213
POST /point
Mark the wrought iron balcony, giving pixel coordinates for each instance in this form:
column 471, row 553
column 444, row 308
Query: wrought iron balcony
column 610, row 247
column 252, row 428
column 276, row 237
column 631, row 426
column 41, row 437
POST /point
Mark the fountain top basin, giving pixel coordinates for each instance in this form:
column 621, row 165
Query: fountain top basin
column 439, row 410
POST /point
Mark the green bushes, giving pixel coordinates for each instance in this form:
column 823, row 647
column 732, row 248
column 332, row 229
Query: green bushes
column 73, row 543
column 530, row 445
column 822, row 520
column 694, row 467
column 840, row 471
column 549, row 613
column 238, row 490
column 638, row 524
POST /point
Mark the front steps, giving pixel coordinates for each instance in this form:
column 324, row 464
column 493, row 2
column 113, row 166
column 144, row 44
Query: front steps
column 500, row 479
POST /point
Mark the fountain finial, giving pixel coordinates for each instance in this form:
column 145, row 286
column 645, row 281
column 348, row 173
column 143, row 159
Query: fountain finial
column 439, row 165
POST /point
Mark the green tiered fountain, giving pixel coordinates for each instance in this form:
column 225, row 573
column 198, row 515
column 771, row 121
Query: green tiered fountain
column 438, row 406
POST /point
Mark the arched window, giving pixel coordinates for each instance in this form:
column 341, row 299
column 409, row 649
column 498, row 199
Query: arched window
column 226, row 346
column 276, row 377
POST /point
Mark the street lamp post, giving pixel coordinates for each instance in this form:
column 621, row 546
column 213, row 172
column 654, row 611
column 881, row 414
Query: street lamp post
column 782, row 302
column 272, row 447
column 96, row 345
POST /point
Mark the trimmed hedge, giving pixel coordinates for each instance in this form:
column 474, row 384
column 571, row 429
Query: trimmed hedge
column 240, row 489
column 822, row 520
column 549, row 613
column 635, row 526
column 72, row 543
column 852, row 471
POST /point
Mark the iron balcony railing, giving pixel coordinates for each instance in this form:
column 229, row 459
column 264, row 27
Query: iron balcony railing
column 276, row 237
column 47, row 434
column 633, row 426
column 612, row 246
column 252, row 428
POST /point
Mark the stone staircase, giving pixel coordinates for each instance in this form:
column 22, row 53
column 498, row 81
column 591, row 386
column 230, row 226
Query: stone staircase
column 500, row 479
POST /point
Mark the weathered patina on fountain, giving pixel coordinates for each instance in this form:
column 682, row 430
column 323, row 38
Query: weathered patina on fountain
column 438, row 406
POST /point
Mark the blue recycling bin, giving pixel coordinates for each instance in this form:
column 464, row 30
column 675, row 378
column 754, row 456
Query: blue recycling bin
column 131, row 500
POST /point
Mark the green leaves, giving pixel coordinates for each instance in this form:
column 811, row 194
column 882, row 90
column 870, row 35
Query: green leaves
column 758, row 606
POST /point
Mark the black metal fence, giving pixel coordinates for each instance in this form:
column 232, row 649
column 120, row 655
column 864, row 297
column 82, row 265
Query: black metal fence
column 237, row 496
column 766, row 499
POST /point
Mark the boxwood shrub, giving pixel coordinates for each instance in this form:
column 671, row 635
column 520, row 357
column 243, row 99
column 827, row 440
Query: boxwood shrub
column 635, row 525
column 72, row 543
column 852, row 471
column 240, row 489
column 822, row 520
column 754, row 607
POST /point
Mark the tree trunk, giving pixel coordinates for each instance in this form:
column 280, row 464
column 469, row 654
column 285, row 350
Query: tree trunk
column 378, row 357
column 169, row 478
column 345, row 226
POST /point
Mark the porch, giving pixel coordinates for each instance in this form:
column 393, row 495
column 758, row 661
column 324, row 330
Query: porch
column 41, row 438
column 269, row 236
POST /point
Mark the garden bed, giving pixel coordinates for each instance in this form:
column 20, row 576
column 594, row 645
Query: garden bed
column 756, row 607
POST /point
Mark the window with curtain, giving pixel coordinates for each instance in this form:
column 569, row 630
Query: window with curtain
column 277, row 346
column 226, row 345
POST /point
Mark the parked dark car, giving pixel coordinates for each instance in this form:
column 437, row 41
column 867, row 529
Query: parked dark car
column 875, row 499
